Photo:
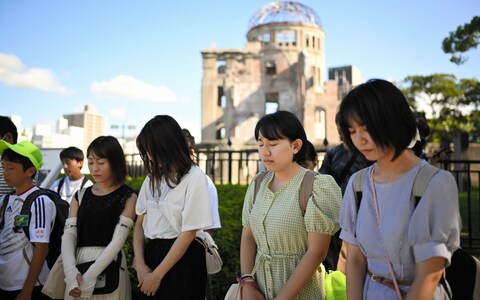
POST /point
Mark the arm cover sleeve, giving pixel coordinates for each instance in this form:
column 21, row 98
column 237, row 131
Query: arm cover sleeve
column 69, row 246
column 107, row 256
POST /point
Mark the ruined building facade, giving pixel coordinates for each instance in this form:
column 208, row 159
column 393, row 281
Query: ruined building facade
column 282, row 67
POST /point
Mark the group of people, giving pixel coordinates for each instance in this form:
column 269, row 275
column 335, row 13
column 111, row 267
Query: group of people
column 393, row 248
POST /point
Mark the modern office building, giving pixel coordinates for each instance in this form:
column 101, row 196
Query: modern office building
column 92, row 122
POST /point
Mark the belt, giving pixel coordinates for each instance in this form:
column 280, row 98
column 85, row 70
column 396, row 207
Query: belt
column 387, row 282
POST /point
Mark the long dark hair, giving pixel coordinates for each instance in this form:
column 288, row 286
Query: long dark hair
column 109, row 148
column 164, row 151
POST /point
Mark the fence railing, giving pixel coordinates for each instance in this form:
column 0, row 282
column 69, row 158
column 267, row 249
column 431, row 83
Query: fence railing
column 239, row 167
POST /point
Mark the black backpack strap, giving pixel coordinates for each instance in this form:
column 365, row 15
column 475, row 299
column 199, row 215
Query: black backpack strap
column 85, row 179
column 4, row 207
column 27, row 210
column 60, row 184
column 306, row 189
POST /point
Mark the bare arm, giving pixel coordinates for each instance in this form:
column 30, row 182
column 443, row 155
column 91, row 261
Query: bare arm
column 356, row 271
column 427, row 276
column 152, row 281
column 139, row 250
column 316, row 253
column 39, row 255
column 248, row 251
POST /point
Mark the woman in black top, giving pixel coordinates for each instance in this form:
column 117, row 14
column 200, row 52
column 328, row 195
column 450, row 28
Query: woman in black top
column 100, row 219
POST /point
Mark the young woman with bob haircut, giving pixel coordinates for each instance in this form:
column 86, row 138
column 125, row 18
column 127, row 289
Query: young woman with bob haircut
column 282, row 247
column 377, row 121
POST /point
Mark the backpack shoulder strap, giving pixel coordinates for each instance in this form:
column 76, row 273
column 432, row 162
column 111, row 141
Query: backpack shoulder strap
column 421, row 181
column 85, row 179
column 4, row 207
column 27, row 209
column 258, row 182
column 60, row 184
column 306, row 189
column 358, row 180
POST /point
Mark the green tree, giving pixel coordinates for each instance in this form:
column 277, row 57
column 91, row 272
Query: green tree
column 466, row 37
column 453, row 104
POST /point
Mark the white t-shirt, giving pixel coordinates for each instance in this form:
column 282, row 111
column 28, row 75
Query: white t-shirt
column 212, row 191
column 182, row 208
column 14, row 266
column 69, row 187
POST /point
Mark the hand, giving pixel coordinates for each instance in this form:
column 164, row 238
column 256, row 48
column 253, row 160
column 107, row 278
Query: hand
column 142, row 271
column 251, row 293
column 24, row 295
column 75, row 293
column 150, row 284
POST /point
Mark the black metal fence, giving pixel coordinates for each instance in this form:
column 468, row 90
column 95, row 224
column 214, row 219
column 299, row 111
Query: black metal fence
column 239, row 167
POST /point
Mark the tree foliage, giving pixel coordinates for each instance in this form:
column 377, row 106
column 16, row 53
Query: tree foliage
column 466, row 37
column 453, row 103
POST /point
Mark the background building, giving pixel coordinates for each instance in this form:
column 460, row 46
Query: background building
column 92, row 123
column 346, row 78
column 282, row 67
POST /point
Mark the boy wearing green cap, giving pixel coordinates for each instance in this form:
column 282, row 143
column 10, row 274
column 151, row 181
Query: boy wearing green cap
column 23, row 269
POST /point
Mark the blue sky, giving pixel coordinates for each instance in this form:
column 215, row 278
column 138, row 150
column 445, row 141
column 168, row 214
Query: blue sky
column 136, row 59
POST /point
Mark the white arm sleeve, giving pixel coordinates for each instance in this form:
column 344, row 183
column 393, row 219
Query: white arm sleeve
column 69, row 246
column 108, row 255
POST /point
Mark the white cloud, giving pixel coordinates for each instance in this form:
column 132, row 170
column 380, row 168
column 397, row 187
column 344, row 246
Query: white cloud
column 129, row 87
column 15, row 74
column 119, row 113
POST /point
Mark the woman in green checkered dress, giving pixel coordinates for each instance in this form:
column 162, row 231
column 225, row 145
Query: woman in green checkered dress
column 282, row 249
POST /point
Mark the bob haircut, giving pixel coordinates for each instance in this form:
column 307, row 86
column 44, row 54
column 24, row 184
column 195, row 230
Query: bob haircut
column 384, row 110
column 109, row 148
column 283, row 125
column 164, row 150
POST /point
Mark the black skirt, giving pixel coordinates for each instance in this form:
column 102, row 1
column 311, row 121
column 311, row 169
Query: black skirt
column 187, row 279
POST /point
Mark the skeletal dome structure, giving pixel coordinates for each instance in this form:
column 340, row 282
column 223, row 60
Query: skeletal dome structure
column 281, row 67
column 284, row 12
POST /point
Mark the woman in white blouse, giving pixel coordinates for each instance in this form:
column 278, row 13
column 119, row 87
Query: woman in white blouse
column 173, row 204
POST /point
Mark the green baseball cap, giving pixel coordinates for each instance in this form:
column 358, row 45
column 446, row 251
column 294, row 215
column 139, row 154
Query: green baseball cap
column 26, row 149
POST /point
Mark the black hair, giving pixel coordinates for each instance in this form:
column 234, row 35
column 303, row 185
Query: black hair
column 384, row 110
column 72, row 153
column 7, row 126
column 282, row 125
column 12, row 156
column 310, row 153
column 164, row 151
column 109, row 148
column 424, row 132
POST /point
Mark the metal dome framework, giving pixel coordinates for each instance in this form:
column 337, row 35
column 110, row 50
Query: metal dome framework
column 284, row 12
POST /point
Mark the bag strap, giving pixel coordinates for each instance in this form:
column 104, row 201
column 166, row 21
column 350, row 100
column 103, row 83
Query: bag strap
column 3, row 208
column 377, row 213
column 85, row 179
column 80, row 194
column 60, row 184
column 358, row 180
column 306, row 188
column 421, row 181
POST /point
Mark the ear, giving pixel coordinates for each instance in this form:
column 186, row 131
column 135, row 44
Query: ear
column 297, row 145
column 30, row 171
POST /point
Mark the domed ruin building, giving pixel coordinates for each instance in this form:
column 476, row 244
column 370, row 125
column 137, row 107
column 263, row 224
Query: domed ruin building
column 282, row 67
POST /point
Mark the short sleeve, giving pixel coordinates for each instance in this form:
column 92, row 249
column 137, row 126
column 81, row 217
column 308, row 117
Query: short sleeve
column 43, row 212
column 434, row 229
column 323, row 208
column 249, row 200
column 141, row 205
column 197, row 211
column 348, row 214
